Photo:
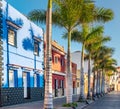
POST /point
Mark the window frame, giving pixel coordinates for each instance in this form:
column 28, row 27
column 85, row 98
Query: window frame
column 13, row 84
column 56, row 59
column 15, row 77
column 15, row 37
column 35, row 80
column 78, row 84
column 36, row 43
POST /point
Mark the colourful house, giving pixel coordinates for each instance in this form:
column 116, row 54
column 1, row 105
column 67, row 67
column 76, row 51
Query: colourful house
column 114, row 82
column 21, row 58
column 76, row 58
column 58, row 70
column 74, row 77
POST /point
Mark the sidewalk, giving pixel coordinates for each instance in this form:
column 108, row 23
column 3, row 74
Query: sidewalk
column 57, row 103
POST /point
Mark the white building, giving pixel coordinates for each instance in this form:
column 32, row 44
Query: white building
column 76, row 58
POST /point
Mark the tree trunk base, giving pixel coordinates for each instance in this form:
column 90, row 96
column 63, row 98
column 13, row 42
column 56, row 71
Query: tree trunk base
column 82, row 99
column 94, row 96
column 98, row 95
column 89, row 97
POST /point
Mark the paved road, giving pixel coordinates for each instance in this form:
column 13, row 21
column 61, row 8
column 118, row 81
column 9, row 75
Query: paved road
column 110, row 101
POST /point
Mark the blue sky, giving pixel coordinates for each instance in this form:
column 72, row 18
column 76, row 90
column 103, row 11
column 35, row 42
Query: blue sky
column 112, row 28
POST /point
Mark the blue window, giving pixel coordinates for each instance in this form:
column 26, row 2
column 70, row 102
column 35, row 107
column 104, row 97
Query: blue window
column 12, row 39
column 13, row 78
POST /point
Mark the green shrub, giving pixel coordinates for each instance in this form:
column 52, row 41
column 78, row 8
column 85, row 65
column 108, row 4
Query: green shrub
column 74, row 104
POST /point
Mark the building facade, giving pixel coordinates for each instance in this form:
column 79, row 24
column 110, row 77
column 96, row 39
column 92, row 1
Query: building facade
column 21, row 58
column 115, row 80
column 74, row 77
column 76, row 58
column 58, row 70
column 59, row 67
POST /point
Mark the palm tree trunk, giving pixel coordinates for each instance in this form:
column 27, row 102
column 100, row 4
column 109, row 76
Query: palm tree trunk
column 103, row 82
column 48, row 97
column 100, row 82
column 94, row 85
column 97, row 84
column 82, row 96
column 69, row 85
column 89, row 79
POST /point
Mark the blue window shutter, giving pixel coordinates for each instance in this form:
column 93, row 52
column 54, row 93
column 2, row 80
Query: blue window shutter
column 38, row 80
column 15, row 78
column 28, row 79
column 42, row 81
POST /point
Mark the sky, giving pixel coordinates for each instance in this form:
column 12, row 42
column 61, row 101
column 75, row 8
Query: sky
column 112, row 28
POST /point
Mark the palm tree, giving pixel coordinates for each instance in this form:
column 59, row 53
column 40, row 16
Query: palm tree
column 108, row 64
column 86, row 38
column 91, row 48
column 48, row 98
column 99, row 56
column 69, row 14
column 99, row 15
column 65, row 14
column 106, row 55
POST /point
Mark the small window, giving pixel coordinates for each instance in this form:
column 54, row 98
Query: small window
column 11, row 78
column 77, row 84
column 56, row 83
column 61, row 83
column 56, row 59
column 12, row 37
column 62, row 62
column 36, row 48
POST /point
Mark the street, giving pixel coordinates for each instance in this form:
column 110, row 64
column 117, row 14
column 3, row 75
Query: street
column 39, row 104
column 110, row 101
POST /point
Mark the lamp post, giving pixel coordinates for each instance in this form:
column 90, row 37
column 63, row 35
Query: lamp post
column 48, row 97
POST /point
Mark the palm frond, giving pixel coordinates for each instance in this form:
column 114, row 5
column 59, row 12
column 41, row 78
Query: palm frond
column 94, row 34
column 38, row 16
column 103, row 15
column 96, row 31
column 75, row 36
